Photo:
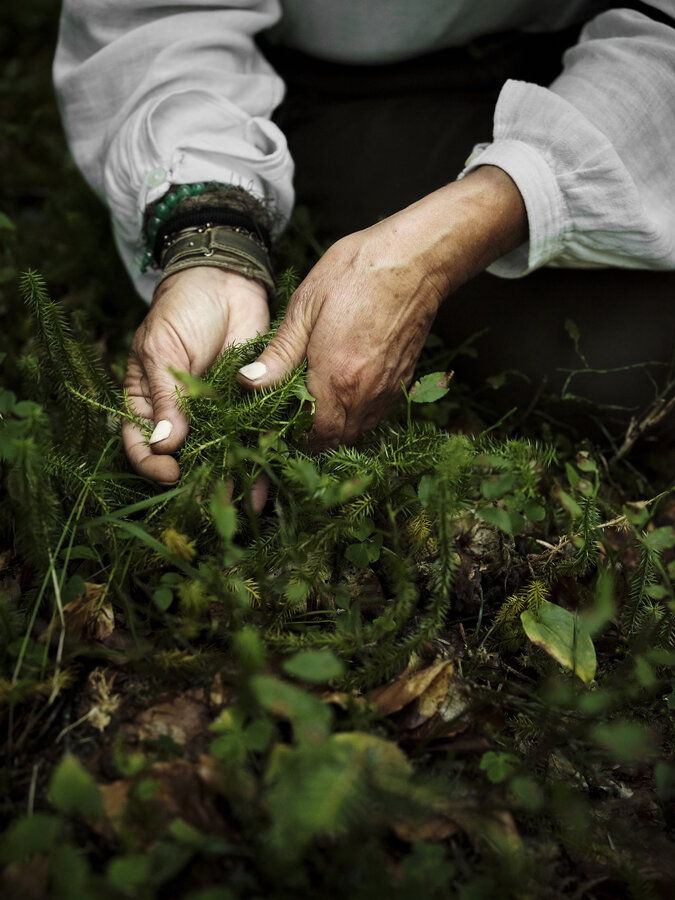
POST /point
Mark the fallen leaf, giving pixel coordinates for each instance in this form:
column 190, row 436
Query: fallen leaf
column 393, row 697
column 104, row 702
column 184, row 718
column 104, row 623
column 81, row 616
column 435, row 828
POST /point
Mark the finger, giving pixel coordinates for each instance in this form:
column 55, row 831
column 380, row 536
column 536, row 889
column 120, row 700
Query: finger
column 330, row 416
column 283, row 354
column 159, row 468
column 171, row 425
column 163, row 469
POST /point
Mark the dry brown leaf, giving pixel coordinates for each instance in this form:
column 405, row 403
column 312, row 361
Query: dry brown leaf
column 435, row 828
column 393, row 697
column 182, row 791
column 182, row 718
column 104, row 623
column 494, row 829
column 433, row 698
column 81, row 616
column 105, row 703
column 114, row 797
column 343, row 699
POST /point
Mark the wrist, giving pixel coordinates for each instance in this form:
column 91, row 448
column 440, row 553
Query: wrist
column 228, row 290
column 468, row 224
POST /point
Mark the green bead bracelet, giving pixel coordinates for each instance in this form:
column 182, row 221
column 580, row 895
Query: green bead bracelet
column 165, row 208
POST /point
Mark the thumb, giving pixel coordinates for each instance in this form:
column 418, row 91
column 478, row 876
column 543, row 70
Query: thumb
column 171, row 426
column 283, row 354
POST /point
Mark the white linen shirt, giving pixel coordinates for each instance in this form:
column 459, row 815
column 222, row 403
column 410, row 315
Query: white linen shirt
column 155, row 92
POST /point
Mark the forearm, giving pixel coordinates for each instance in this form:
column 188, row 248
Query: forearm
column 592, row 155
column 463, row 227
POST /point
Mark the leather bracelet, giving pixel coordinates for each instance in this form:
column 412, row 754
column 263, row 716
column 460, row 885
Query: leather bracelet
column 219, row 246
column 205, row 217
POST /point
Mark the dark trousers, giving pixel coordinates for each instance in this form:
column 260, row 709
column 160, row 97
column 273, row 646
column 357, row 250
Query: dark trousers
column 368, row 141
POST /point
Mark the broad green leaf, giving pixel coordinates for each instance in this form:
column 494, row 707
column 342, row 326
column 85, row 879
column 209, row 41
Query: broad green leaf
column 431, row 387
column 498, row 766
column 495, row 515
column 564, row 636
column 6, row 223
column 427, row 489
column 357, row 555
column 29, row 836
column 314, row 665
column 73, row 791
column 660, row 538
column 163, row 598
column 534, row 512
column 310, row 717
column 602, row 609
column 127, row 873
column 223, row 512
column 625, row 742
column 496, row 487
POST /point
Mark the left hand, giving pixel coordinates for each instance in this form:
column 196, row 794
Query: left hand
column 364, row 311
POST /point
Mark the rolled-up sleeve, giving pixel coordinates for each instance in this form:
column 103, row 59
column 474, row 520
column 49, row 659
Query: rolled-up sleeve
column 592, row 155
column 154, row 92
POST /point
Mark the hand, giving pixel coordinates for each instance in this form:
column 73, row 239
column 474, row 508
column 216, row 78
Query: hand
column 363, row 313
column 194, row 316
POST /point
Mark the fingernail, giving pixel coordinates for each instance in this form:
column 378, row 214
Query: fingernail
column 162, row 430
column 253, row 371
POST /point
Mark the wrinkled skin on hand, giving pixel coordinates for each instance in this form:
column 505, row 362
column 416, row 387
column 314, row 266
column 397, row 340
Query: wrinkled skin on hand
column 362, row 314
column 195, row 315
column 360, row 317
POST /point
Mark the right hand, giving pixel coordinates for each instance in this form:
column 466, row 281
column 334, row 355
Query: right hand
column 194, row 316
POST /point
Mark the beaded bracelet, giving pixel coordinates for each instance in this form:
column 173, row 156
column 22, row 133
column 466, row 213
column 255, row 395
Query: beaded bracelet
column 164, row 209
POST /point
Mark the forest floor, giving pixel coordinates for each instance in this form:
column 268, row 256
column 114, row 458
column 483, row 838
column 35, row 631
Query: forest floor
column 441, row 664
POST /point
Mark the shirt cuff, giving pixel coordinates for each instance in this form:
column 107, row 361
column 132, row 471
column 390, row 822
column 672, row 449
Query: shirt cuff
column 546, row 212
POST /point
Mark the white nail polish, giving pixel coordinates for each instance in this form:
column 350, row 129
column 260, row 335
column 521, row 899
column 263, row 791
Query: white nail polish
column 162, row 431
column 253, row 371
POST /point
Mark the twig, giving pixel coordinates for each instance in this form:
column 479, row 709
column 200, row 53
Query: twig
column 654, row 414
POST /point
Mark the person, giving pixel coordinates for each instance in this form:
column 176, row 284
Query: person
column 174, row 115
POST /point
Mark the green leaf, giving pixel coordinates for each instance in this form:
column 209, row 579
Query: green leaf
column 223, row 512
column 431, row 387
column 572, row 329
column 301, row 392
column 563, row 636
column 357, row 555
column 661, row 538
column 602, row 609
column 73, row 791
column 194, row 387
column 310, row 717
column 498, row 766
column 426, row 489
column 534, row 512
column 6, row 223
column 498, row 486
column 573, row 476
column 314, row 665
column 625, row 742
column 127, row 873
column 163, row 598
column 495, row 515
column 29, row 836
